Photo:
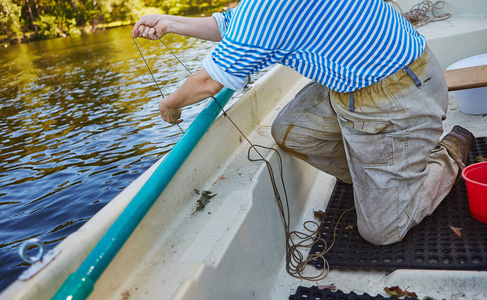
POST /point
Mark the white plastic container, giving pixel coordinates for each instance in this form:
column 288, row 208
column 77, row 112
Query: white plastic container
column 472, row 101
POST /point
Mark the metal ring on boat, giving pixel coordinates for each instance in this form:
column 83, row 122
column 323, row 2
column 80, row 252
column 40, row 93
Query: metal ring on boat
column 32, row 242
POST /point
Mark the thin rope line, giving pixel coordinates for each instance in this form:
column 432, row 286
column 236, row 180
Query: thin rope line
column 295, row 260
column 176, row 57
column 150, row 71
column 148, row 67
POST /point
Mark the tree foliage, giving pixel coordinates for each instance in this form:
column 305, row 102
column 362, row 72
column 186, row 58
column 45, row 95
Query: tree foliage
column 10, row 19
column 39, row 19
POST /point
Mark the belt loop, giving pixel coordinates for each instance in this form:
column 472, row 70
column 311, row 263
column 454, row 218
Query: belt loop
column 413, row 76
column 350, row 103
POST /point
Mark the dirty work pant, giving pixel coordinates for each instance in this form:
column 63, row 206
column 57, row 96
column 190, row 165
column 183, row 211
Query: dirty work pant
column 382, row 138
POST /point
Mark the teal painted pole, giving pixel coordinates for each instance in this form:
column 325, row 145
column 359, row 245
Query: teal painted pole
column 79, row 284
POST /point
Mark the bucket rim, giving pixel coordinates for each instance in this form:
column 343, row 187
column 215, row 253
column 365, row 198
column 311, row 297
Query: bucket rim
column 471, row 168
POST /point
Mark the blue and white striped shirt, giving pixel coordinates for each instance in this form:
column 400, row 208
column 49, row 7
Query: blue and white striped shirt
column 343, row 44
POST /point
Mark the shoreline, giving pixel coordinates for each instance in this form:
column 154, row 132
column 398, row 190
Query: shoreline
column 87, row 29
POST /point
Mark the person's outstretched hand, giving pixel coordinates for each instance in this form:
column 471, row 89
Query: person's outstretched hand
column 151, row 27
column 170, row 115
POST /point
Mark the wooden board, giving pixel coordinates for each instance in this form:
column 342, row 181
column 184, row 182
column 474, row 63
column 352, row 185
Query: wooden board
column 466, row 78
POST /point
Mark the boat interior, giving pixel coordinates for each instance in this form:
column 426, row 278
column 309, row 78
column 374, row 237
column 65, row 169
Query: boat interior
column 232, row 245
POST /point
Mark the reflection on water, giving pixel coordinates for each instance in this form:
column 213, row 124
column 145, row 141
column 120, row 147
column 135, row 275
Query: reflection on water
column 79, row 121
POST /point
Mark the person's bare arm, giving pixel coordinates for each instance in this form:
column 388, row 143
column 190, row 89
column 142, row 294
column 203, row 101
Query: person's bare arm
column 156, row 26
column 197, row 87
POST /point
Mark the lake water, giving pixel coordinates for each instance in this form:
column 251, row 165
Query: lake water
column 79, row 121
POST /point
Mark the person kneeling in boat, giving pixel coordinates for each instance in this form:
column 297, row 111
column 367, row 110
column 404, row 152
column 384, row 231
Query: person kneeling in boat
column 371, row 116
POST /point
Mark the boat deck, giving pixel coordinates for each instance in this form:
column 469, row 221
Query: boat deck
column 236, row 244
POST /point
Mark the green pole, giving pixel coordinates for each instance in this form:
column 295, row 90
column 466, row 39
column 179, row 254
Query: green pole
column 80, row 284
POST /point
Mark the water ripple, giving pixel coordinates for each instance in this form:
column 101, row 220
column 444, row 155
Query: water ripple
column 79, row 122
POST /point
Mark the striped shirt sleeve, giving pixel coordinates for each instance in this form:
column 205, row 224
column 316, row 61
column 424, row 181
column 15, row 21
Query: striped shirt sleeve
column 235, row 58
column 223, row 19
column 218, row 73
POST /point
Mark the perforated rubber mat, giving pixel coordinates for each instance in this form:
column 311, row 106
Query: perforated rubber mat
column 430, row 245
column 305, row 293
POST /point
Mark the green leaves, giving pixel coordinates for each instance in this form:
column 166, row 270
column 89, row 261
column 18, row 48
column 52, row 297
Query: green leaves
column 40, row 19
column 10, row 19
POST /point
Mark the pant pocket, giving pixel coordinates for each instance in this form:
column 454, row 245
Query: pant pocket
column 369, row 143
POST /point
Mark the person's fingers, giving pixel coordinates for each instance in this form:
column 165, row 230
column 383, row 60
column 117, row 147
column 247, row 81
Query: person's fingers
column 172, row 116
column 176, row 116
column 176, row 122
column 135, row 30
column 166, row 117
column 146, row 28
column 152, row 34
column 140, row 30
column 145, row 33
column 170, row 121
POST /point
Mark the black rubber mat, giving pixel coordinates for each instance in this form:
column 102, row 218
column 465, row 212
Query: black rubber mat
column 430, row 245
column 305, row 293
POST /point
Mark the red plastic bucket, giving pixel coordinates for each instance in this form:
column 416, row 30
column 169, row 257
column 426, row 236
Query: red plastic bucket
column 476, row 177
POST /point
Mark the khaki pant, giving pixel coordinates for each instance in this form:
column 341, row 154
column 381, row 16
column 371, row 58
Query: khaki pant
column 383, row 139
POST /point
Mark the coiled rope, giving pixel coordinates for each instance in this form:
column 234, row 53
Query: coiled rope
column 419, row 14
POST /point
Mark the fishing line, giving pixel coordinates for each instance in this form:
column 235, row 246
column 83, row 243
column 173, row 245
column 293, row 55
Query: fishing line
column 191, row 73
column 150, row 71
column 295, row 260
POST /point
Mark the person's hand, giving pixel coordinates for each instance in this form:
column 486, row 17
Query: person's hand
column 151, row 27
column 170, row 115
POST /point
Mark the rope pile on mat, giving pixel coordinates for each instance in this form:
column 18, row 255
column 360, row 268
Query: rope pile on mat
column 296, row 241
column 419, row 14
